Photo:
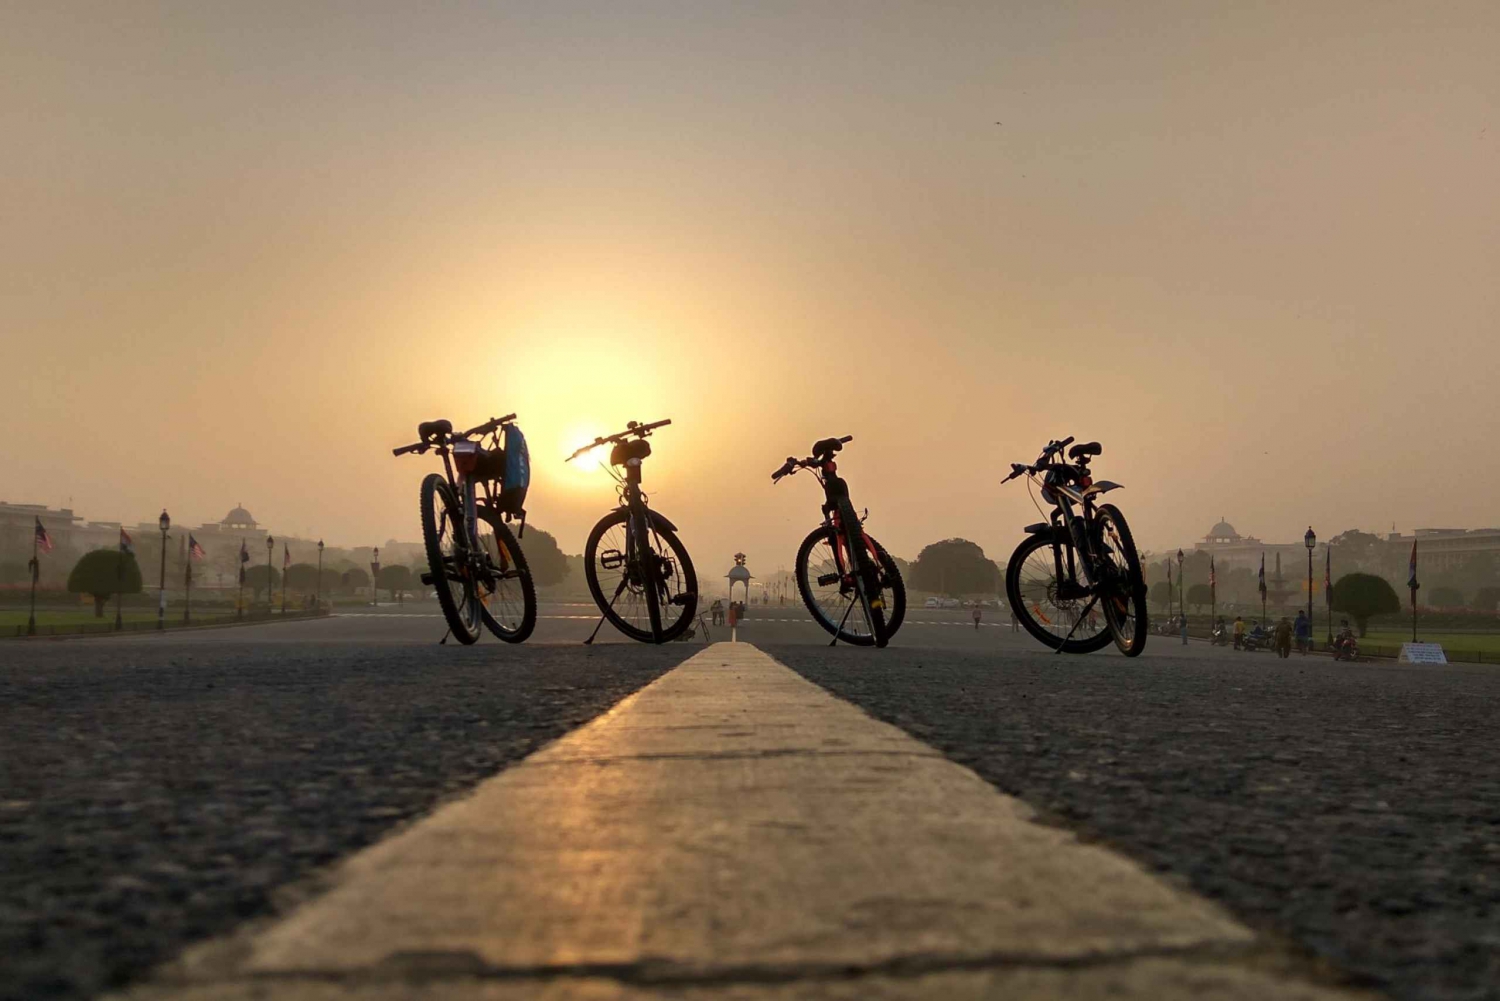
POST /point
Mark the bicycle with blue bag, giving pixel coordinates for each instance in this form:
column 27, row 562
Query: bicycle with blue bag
column 475, row 562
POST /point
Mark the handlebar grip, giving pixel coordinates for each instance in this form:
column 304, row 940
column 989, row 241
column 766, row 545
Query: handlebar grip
column 1065, row 442
column 847, row 439
column 418, row 447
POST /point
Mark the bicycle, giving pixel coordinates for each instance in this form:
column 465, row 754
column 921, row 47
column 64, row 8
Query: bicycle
column 636, row 551
column 1082, row 556
column 475, row 563
column 839, row 566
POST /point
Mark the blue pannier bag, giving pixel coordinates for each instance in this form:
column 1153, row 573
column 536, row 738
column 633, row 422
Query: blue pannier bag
column 517, row 478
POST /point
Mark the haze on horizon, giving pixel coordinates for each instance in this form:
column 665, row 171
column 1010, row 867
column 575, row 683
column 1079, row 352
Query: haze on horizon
column 1253, row 251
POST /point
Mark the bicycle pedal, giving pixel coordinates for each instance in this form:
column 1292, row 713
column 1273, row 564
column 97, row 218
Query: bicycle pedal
column 678, row 599
column 824, row 580
column 426, row 578
column 611, row 559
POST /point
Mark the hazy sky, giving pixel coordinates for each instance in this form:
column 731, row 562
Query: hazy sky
column 1251, row 247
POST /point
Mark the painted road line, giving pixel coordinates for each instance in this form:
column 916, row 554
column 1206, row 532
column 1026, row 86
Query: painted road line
column 732, row 830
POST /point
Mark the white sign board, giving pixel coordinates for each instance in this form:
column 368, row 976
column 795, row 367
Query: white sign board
column 1422, row 653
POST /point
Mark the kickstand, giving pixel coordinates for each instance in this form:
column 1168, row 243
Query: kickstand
column 703, row 626
column 1081, row 616
column 618, row 591
column 446, row 633
column 835, row 640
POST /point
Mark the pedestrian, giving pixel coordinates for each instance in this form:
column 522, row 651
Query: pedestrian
column 1015, row 623
column 976, row 615
column 1303, row 631
column 1283, row 638
column 1239, row 632
column 1184, row 629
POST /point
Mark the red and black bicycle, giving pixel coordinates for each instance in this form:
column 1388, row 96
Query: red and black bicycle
column 840, row 568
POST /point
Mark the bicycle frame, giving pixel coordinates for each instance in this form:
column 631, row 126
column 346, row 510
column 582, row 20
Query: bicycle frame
column 838, row 511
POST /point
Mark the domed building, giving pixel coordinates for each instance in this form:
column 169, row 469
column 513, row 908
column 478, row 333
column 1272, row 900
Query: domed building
column 1222, row 534
column 739, row 574
column 238, row 520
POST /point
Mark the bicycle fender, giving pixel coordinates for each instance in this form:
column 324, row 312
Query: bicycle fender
column 656, row 517
column 1040, row 528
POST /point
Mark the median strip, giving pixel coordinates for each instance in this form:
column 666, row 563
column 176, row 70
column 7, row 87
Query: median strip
column 734, row 830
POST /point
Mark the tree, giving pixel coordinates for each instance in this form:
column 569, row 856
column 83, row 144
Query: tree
column 1362, row 596
column 548, row 564
column 330, row 582
column 1447, row 597
column 954, row 567
column 1199, row 595
column 353, row 579
column 1163, row 593
column 256, row 578
column 302, row 577
column 1487, row 598
column 105, row 572
column 394, row 577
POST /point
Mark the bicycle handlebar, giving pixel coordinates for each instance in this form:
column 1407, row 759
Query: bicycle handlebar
column 1053, row 448
column 638, row 430
column 440, row 432
column 826, row 445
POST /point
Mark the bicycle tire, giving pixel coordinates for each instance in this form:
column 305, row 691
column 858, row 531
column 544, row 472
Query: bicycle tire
column 1022, row 604
column 688, row 588
column 870, row 593
column 645, row 554
column 462, row 622
column 895, row 584
column 506, row 538
column 1129, row 637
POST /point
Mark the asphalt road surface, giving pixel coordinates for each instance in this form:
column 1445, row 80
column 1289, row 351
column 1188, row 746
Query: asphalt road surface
column 1354, row 809
column 155, row 790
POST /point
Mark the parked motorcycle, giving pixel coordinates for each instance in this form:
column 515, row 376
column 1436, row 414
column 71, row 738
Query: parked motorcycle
column 1220, row 636
column 1256, row 639
column 1346, row 648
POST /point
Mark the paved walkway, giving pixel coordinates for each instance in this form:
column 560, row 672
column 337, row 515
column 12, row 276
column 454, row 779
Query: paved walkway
column 734, row 831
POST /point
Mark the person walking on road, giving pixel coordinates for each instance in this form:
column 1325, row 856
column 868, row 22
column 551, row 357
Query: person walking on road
column 1283, row 638
column 1303, row 631
column 976, row 615
column 1239, row 632
column 1184, row 630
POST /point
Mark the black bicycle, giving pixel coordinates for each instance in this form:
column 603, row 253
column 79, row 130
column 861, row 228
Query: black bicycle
column 1081, row 558
column 637, row 569
column 839, row 566
column 475, row 563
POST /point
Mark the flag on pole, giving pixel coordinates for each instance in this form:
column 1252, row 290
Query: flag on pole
column 1262, row 581
column 195, row 549
column 286, row 556
column 244, row 558
column 43, row 540
column 127, row 545
column 1411, row 579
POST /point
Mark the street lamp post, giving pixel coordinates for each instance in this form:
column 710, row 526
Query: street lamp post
column 1310, row 540
column 374, row 575
column 318, row 588
column 163, row 523
column 1182, row 597
column 270, row 545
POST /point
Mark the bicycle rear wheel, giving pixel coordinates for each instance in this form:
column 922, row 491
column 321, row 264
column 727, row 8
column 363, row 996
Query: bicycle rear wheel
column 1125, row 603
column 507, row 595
column 1051, row 607
column 447, row 556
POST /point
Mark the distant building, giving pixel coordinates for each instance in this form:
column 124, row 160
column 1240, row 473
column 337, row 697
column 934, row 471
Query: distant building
column 1231, row 549
column 1441, row 549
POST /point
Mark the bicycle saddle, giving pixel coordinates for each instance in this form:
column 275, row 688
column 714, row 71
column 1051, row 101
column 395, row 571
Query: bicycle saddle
column 827, row 447
column 1086, row 448
column 431, row 429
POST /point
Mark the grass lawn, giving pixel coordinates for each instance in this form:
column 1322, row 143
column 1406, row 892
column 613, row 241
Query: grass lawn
column 1480, row 642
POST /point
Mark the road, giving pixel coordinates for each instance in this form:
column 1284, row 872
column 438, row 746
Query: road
column 156, row 790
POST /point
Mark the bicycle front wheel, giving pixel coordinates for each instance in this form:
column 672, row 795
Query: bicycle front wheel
column 1125, row 598
column 448, row 558
column 1051, row 605
column 507, row 595
column 828, row 590
column 619, row 572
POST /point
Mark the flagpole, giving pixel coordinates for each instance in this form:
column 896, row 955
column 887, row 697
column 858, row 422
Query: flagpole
column 119, row 588
column 239, row 601
column 286, row 554
column 36, row 571
column 187, row 598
